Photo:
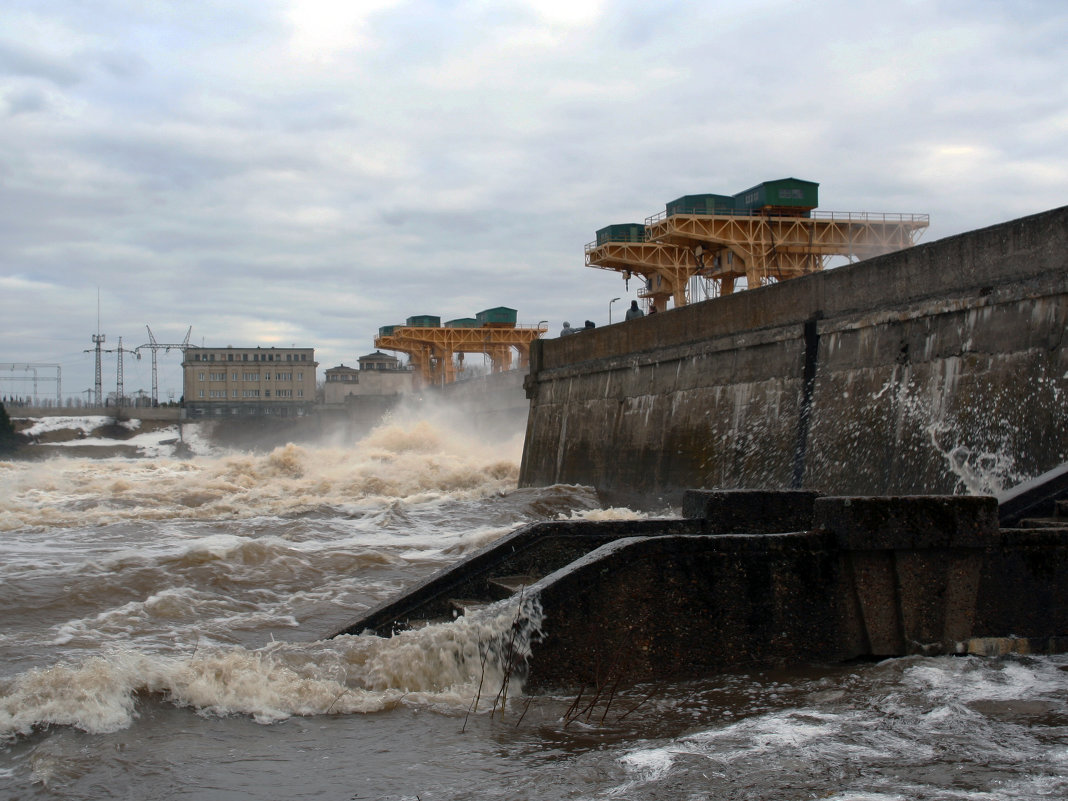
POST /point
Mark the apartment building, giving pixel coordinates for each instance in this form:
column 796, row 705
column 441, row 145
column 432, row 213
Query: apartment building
column 248, row 381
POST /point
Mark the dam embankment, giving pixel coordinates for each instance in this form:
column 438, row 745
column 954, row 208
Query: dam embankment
column 933, row 370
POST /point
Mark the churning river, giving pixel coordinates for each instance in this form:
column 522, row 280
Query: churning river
column 161, row 625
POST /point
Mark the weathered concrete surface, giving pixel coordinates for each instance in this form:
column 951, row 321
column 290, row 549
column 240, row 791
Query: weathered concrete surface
column 874, row 577
column 909, row 373
column 751, row 511
column 675, row 607
column 534, row 550
column 860, row 577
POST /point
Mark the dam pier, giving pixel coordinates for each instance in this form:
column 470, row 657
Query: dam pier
column 870, row 462
column 936, row 369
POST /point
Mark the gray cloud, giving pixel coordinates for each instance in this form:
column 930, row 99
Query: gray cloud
column 260, row 173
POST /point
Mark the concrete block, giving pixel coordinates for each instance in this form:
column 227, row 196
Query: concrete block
column 909, row 522
column 751, row 511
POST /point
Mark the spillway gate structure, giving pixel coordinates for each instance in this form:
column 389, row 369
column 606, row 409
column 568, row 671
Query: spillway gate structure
column 767, row 234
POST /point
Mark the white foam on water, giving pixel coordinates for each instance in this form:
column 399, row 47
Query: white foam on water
column 611, row 513
column 84, row 423
column 472, row 664
column 414, row 462
column 916, row 713
column 963, row 680
column 643, row 767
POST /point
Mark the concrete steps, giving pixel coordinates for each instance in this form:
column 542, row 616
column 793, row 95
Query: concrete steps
column 762, row 579
column 496, row 589
column 1041, row 502
column 1059, row 518
column 507, row 586
column 522, row 558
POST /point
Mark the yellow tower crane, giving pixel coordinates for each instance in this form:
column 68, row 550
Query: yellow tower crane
column 768, row 233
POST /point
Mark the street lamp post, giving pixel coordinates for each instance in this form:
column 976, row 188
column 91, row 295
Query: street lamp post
column 613, row 300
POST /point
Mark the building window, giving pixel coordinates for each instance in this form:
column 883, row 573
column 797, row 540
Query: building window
column 300, row 393
column 217, row 376
column 200, row 393
column 252, row 376
column 229, row 357
column 233, row 376
column 234, row 394
column 300, row 376
column 244, row 357
column 200, row 376
column 267, row 393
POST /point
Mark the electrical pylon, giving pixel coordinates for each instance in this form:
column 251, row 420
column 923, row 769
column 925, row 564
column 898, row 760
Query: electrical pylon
column 155, row 346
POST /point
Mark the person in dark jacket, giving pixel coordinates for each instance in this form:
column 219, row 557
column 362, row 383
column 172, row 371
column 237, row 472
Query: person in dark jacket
column 633, row 313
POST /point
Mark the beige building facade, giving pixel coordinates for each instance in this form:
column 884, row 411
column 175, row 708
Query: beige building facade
column 253, row 381
column 379, row 374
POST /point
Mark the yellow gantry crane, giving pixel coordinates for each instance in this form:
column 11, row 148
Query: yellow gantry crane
column 436, row 351
column 765, row 234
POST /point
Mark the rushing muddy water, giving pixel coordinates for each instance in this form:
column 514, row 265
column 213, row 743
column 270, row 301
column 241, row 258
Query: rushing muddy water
column 160, row 638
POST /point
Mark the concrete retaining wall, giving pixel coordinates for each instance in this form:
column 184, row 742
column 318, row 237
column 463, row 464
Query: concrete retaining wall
column 126, row 412
column 874, row 577
column 938, row 369
column 757, row 579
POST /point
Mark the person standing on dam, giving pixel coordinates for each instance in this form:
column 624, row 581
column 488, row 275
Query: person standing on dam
column 567, row 329
column 633, row 313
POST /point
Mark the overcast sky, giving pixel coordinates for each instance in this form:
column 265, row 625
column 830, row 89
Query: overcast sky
column 303, row 172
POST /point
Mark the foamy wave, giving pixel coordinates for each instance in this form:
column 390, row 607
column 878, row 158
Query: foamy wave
column 417, row 461
column 613, row 513
column 473, row 663
column 84, row 424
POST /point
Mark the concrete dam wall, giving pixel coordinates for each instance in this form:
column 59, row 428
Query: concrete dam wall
column 755, row 579
column 934, row 370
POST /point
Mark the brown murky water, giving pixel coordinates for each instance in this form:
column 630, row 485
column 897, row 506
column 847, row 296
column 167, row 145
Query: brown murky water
column 159, row 639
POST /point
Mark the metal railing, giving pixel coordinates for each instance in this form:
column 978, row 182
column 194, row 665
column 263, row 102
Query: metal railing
column 920, row 220
column 844, row 216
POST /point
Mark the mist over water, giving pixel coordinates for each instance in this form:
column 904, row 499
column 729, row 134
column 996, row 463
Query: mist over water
column 161, row 637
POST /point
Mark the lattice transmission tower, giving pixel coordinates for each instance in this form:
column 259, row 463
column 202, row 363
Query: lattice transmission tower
column 98, row 384
column 155, row 346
